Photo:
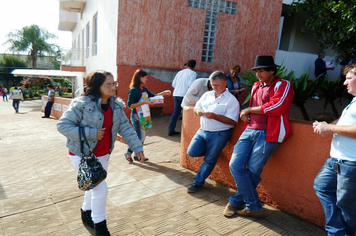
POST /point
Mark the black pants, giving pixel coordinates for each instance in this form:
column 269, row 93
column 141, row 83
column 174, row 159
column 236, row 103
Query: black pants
column 48, row 109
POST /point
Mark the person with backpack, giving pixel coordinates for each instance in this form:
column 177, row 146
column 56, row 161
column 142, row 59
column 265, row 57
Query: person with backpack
column 16, row 96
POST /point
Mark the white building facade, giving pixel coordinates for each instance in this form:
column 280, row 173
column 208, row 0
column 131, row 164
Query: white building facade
column 93, row 24
column 298, row 51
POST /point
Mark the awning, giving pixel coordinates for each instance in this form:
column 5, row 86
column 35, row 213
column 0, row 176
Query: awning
column 49, row 73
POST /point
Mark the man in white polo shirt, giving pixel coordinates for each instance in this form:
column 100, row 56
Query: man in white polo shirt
column 181, row 84
column 335, row 184
column 219, row 112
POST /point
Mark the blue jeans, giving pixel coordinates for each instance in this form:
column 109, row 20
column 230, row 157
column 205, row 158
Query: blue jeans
column 335, row 186
column 210, row 145
column 16, row 103
column 48, row 109
column 141, row 134
column 176, row 113
column 251, row 153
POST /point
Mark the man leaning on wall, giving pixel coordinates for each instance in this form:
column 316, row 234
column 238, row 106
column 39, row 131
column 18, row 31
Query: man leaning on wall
column 218, row 111
column 266, row 125
column 335, row 184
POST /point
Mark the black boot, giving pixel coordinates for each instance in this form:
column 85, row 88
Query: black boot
column 86, row 218
column 101, row 229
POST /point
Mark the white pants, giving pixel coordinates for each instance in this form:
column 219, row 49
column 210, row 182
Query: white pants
column 95, row 199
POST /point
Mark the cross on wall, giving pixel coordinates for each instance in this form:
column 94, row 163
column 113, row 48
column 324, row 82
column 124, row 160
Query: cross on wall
column 212, row 7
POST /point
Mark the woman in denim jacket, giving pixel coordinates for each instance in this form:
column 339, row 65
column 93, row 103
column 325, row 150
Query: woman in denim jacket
column 101, row 115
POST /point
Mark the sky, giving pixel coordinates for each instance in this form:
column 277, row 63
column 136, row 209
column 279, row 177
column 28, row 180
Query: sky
column 16, row 14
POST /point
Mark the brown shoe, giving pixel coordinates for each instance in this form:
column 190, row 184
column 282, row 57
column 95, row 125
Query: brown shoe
column 246, row 212
column 230, row 210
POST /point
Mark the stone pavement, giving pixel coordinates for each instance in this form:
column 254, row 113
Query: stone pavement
column 39, row 194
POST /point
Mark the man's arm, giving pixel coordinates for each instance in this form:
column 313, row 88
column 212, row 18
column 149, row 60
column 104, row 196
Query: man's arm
column 345, row 130
column 221, row 118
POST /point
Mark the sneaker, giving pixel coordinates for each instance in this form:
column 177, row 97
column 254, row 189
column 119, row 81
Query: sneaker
column 86, row 218
column 315, row 97
column 246, row 212
column 230, row 210
column 173, row 133
column 194, row 188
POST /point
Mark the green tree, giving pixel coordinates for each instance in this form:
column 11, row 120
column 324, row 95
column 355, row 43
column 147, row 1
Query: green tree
column 7, row 65
column 332, row 23
column 32, row 39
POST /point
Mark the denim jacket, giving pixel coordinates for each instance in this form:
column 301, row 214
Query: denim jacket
column 84, row 112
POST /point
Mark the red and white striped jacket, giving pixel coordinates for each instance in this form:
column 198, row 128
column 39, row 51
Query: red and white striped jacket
column 277, row 109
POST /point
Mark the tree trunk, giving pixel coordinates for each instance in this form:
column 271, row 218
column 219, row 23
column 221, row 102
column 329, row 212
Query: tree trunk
column 304, row 112
column 333, row 107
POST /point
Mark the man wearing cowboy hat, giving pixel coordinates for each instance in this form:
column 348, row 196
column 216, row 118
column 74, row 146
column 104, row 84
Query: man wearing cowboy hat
column 266, row 125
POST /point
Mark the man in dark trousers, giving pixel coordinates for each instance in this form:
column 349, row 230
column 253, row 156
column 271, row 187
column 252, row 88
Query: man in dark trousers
column 266, row 126
column 181, row 83
column 320, row 69
column 50, row 100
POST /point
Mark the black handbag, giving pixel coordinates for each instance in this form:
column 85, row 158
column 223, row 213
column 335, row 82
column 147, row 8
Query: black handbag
column 91, row 172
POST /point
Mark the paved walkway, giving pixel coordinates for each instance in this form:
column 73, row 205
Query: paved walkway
column 39, row 195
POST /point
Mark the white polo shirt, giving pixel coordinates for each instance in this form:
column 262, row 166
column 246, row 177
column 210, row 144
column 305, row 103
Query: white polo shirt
column 343, row 147
column 182, row 82
column 226, row 105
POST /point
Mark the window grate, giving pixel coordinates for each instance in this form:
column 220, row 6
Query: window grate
column 212, row 7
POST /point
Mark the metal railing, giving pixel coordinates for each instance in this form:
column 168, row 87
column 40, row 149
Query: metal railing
column 72, row 57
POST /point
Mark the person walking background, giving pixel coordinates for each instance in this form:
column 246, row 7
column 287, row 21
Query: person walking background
column 181, row 84
column 102, row 116
column 335, row 184
column 320, row 70
column 50, row 101
column 4, row 93
column 138, row 101
column 16, row 96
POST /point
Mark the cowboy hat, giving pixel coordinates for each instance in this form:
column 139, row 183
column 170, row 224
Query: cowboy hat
column 264, row 62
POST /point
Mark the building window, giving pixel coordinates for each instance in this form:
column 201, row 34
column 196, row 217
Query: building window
column 88, row 37
column 73, row 51
column 78, row 48
column 95, row 34
column 82, row 44
column 213, row 8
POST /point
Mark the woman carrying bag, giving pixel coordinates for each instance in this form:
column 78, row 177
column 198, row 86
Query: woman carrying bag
column 139, row 103
column 101, row 116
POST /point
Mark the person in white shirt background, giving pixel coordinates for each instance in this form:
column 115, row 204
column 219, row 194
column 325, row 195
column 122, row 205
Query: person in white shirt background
column 181, row 83
column 16, row 96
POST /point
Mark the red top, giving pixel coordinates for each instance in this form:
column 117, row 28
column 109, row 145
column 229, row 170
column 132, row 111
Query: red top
column 104, row 145
column 276, row 109
column 260, row 97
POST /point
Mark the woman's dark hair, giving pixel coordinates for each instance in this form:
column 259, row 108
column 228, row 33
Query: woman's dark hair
column 93, row 81
column 136, row 78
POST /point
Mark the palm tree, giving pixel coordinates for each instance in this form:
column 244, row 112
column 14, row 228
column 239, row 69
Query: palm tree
column 32, row 39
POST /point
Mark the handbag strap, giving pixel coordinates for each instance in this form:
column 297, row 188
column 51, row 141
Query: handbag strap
column 82, row 132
